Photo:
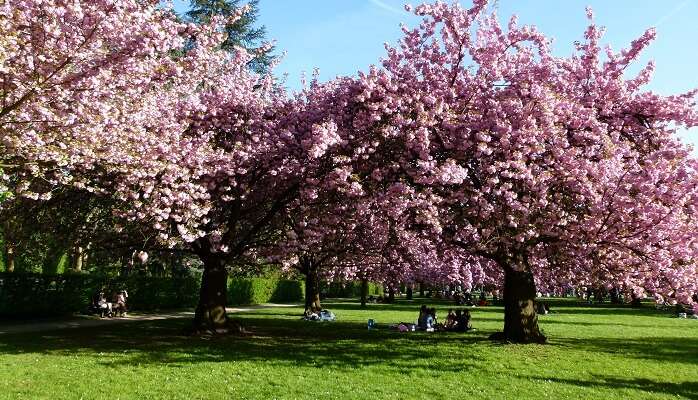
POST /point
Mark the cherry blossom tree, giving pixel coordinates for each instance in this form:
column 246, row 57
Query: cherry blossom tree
column 337, row 231
column 331, row 238
column 548, row 169
column 112, row 98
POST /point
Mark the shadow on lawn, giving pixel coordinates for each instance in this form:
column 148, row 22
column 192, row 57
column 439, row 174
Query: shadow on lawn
column 547, row 319
column 339, row 345
column 559, row 306
column 442, row 306
column 684, row 350
column 686, row 389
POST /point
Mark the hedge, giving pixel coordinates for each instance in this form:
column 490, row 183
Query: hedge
column 32, row 295
column 349, row 289
column 244, row 291
column 29, row 295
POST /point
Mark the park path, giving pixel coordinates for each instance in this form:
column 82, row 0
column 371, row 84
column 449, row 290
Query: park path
column 91, row 321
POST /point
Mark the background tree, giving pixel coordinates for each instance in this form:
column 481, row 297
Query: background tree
column 93, row 100
column 324, row 238
column 241, row 33
column 556, row 170
column 60, row 234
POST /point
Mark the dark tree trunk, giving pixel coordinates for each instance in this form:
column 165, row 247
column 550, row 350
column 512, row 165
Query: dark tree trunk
column 421, row 289
column 391, row 294
column 77, row 258
column 520, row 318
column 409, row 292
column 9, row 251
column 364, row 292
column 10, row 257
column 312, row 287
column 210, row 315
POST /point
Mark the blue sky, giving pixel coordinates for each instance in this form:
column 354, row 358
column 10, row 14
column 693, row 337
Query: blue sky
column 341, row 37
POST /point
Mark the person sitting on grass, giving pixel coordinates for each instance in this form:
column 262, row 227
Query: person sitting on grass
column 436, row 325
column 450, row 320
column 430, row 320
column 426, row 319
column 422, row 316
column 462, row 321
column 541, row 308
column 440, row 327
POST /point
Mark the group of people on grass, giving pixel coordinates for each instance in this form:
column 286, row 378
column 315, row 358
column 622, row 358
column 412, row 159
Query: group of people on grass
column 455, row 321
column 105, row 308
column 318, row 315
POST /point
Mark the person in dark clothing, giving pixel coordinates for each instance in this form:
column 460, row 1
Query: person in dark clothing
column 451, row 320
column 462, row 321
column 541, row 308
column 422, row 316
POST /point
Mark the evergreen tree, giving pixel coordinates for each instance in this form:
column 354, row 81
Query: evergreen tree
column 241, row 33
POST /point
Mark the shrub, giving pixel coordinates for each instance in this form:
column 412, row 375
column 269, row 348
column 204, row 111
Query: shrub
column 32, row 295
column 349, row 289
column 244, row 291
column 287, row 290
column 29, row 295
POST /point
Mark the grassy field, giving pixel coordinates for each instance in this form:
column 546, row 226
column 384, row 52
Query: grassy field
column 595, row 352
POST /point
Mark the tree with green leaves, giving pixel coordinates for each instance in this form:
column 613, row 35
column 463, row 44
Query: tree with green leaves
column 241, row 33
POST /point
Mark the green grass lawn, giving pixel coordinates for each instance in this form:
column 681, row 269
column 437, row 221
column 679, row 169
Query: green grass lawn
column 595, row 353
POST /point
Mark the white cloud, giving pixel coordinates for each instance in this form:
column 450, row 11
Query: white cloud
column 387, row 7
column 671, row 13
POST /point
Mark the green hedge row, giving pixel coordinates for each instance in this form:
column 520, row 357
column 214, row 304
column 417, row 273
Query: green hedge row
column 349, row 289
column 244, row 291
column 29, row 295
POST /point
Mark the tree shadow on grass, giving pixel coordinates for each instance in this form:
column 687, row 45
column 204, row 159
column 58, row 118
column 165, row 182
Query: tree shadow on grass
column 614, row 311
column 441, row 307
column 546, row 320
column 591, row 311
column 686, row 389
column 397, row 305
column 672, row 349
column 339, row 345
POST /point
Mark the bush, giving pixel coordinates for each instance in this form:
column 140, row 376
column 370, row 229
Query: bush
column 39, row 295
column 287, row 290
column 244, row 291
column 33, row 295
column 349, row 289
column 30, row 295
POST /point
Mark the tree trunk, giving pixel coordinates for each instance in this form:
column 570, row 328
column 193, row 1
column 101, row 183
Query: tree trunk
column 421, row 289
column 409, row 292
column 312, row 289
column 364, row 292
column 10, row 257
column 77, row 258
column 210, row 315
column 520, row 318
column 391, row 294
